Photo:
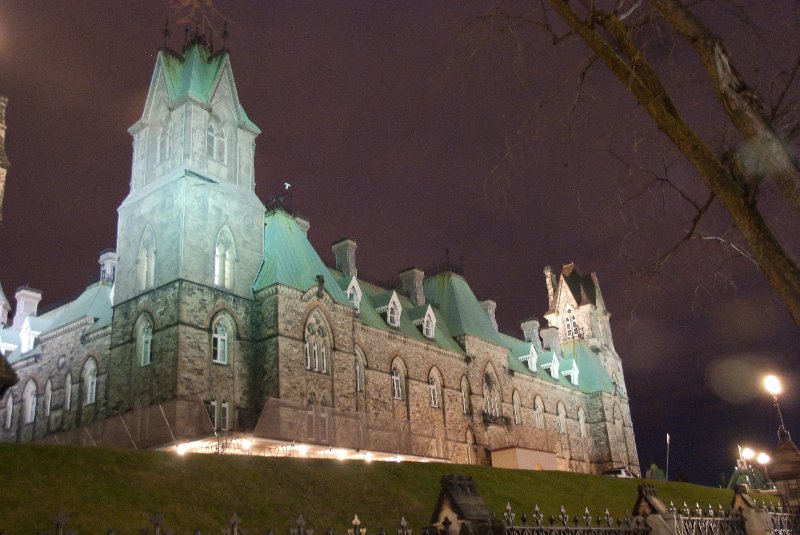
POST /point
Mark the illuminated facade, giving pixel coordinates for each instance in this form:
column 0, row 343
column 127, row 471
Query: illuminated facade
column 216, row 325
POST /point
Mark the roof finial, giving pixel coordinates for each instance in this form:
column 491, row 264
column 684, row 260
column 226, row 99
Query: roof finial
column 166, row 31
column 224, row 34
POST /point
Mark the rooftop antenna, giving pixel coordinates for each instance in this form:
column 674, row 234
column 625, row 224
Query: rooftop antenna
column 166, row 31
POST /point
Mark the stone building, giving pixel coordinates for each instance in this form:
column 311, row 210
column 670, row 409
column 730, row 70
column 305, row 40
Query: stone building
column 216, row 325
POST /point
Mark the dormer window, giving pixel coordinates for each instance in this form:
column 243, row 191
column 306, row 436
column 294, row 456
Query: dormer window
column 571, row 373
column 392, row 310
column 427, row 323
column 354, row 294
column 530, row 359
column 552, row 366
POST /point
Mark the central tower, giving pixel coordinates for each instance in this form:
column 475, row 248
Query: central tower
column 192, row 212
column 189, row 243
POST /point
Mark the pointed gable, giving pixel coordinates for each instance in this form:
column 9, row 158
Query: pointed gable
column 290, row 259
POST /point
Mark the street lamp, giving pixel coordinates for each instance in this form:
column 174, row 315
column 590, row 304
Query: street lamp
column 773, row 385
column 763, row 459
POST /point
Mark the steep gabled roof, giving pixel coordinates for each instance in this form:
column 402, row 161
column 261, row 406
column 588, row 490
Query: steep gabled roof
column 459, row 307
column 581, row 286
column 290, row 259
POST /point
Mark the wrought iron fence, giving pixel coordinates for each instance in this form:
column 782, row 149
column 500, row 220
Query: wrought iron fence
column 586, row 524
column 783, row 523
column 698, row 521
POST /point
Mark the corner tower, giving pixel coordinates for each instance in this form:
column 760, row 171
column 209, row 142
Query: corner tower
column 192, row 213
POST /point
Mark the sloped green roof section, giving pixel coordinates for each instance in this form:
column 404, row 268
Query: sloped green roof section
column 196, row 74
column 459, row 307
column 592, row 376
column 290, row 259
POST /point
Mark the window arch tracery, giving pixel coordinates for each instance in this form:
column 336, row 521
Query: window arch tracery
column 398, row 375
column 29, row 402
column 89, row 381
column 224, row 259
column 144, row 340
column 317, row 343
column 491, row 393
column 216, row 145
column 538, row 412
column 146, row 259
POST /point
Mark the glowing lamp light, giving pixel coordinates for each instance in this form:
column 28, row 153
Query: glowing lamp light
column 339, row 454
column 302, row 449
column 773, row 385
column 748, row 454
column 368, row 457
column 181, row 449
column 246, row 444
column 762, row 458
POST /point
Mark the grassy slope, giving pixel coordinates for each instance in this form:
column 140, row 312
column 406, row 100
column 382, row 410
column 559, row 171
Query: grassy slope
column 101, row 489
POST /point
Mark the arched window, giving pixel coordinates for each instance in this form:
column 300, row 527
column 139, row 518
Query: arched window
column 471, row 457
column 317, row 343
column 219, row 343
column 517, row 407
column 466, row 396
column 29, row 402
column 165, row 140
column 360, row 367
column 89, row 381
column 562, row 419
column 224, row 259
column 146, row 260
column 48, row 397
column 398, row 380
column 433, row 385
column 144, row 340
column 538, row 412
column 68, row 392
column 582, row 423
column 9, row 411
column 216, row 147
column 491, row 393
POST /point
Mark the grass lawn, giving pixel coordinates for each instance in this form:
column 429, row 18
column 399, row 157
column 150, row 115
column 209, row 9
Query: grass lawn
column 101, row 489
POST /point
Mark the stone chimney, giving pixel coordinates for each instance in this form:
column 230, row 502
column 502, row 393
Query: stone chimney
column 27, row 303
column 550, row 280
column 108, row 265
column 411, row 279
column 303, row 223
column 550, row 339
column 530, row 329
column 345, row 252
column 490, row 307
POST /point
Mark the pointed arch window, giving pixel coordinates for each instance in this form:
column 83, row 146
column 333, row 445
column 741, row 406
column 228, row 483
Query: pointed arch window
column 360, row 367
column 398, row 381
column 517, row 408
column 211, row 407
column 317, row 343
column 165, row 140
column 68, row 392
column 144, row 340
column 466, row 396
column 224, row 415
column 224, row 259
column 433, row 386
column 219, row 343
column 216, row 146
column 354, row 294
column 582, row 423
column 48, row 397
column 9, row 411
column 29, row 402
column 491, row 393
column 538, row 412
column 562, row 419
column 146, row 260
column 89, row 381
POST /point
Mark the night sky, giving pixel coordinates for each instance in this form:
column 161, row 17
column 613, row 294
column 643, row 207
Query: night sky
column 415, row 129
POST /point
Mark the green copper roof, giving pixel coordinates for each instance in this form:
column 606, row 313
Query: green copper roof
column 592, row 376
column 290, row 259
column 453, row 297
column 196, row 73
